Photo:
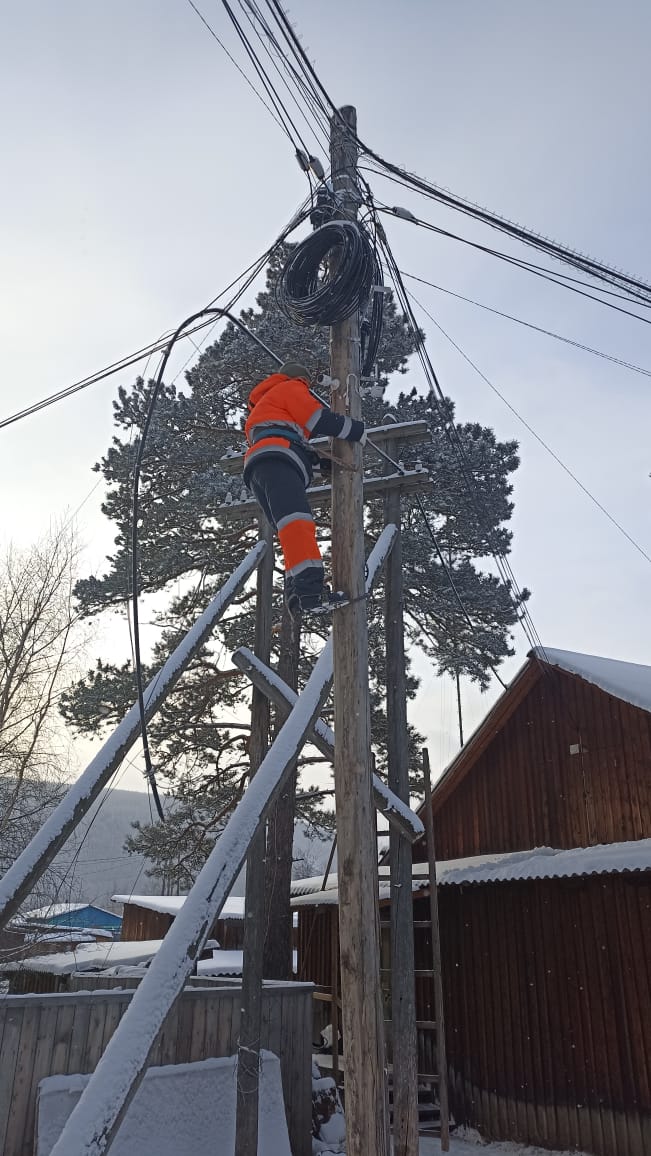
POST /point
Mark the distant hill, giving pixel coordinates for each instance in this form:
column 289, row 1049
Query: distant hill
column 97, row 866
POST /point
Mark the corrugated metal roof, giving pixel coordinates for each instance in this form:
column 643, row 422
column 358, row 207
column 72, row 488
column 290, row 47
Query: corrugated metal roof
column 539, row 863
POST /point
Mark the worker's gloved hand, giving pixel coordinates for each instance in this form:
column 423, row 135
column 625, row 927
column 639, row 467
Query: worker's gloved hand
column 364, row 438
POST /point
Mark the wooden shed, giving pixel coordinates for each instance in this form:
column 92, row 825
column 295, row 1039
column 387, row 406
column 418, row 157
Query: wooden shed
column 547, row 990
column 151, row 916
column 563, row 759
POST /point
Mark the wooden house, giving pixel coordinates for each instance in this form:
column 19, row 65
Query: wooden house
column 75, row 917
column 563, row 759
column 543, row 836
column 151, row 916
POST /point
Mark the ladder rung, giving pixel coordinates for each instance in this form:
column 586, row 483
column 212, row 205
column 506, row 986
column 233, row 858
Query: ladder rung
column 424, row 971
column 429, row 1025
column 416, row 922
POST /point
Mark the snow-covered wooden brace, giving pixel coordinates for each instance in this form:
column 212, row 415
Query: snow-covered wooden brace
column 397, row 813
column 39, row 853
column 92, row 1126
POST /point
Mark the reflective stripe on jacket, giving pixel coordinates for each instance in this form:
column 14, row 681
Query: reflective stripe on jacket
column 281, row 402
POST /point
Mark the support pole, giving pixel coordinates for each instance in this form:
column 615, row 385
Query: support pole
column 397, row 813
column 37, row 856
column 404, row 1043
column 362, row 1015
column 95, row 1119
column 441, row 1061
column 248, row 1052
column 280, row 827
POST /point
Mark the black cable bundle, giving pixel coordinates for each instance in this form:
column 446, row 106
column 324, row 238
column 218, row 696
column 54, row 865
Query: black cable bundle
column 307, row 299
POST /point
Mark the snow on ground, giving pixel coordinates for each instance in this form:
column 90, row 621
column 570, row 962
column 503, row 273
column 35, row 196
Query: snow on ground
column 467, row 1142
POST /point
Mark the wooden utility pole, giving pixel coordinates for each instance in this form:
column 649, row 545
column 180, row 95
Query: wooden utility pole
column 441, row 1060
column 362, row 1016
column 404, row 1044
column 248, row 1054
column 277, row 958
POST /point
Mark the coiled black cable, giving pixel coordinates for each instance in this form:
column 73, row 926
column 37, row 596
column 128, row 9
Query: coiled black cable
column 308, row 297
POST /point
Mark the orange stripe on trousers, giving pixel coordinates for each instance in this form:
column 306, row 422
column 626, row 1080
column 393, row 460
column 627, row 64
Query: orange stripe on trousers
column 299, row 544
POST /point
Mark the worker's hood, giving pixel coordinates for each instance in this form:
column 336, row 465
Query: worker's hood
column 259, row 391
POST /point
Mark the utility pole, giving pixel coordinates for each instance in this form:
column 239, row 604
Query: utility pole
column 362, row 1014
column 248, row 1054
column 404, row 1044
column 280, row 827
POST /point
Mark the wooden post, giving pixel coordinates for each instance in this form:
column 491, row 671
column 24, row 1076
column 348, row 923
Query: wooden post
column 404, row 1056
column 248, row 1052
column 441, row 1061
column 362, row 1017
column 96, row 1117
column 280, row 828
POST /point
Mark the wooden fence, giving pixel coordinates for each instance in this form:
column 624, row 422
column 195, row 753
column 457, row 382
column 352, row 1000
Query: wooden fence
column 45, row 1035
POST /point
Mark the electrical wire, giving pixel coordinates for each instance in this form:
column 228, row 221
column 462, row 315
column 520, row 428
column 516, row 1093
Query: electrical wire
column 594, row 268
column 529, row 325
column 570, row 473
column 456, row 443
column 305, row 297
column 241, row 71
column 251, row 272
column 214, row 312
column 556, row 278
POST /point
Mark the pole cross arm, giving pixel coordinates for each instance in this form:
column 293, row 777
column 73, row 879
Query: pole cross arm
column 405, row 432
column 398, row 814
column 21, row 877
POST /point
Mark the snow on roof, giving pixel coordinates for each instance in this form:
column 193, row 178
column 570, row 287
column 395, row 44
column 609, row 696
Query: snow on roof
column 53, row 909
column 539, row 863
column 171, row 904
column 90, row 957
column 629, row 681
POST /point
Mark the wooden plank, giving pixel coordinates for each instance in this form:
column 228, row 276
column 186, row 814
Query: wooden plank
column 42, row 1067
column 406, row 432
column 284, row 698
column 248, row 1053
column 22, row 1082
column 9, row 1058
column 411, row 482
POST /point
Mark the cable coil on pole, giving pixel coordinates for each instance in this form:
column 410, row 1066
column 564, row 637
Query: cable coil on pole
column 309, row 296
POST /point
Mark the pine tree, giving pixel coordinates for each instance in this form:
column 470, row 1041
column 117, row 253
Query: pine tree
column 186, row 541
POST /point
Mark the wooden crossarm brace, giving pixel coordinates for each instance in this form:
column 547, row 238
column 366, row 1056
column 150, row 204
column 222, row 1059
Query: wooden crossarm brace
column 280, row 694
column 91, row 1127
column 411, row 432
column 21, row 877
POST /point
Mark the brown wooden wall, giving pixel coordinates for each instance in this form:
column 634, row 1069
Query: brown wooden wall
column 64, row 1034
column 526, row 790
column 140, row 923
column 548, row 1010
column 547, row 989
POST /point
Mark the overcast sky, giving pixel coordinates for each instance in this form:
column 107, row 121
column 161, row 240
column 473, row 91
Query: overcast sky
column 141, row 175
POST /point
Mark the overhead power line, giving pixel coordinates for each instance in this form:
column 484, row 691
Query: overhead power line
column 570, row 473
column 598, row 269
column 160, row 344
column 530, row 325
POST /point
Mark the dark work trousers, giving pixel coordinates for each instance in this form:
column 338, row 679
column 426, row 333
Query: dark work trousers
column 280, row 490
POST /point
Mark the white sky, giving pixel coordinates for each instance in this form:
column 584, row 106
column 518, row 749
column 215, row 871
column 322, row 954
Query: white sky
column 141, row 175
